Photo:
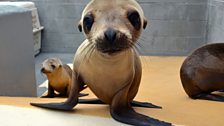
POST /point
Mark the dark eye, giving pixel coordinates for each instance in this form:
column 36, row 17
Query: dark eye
column 134, row 18
column 88, row 22
column 53, row 66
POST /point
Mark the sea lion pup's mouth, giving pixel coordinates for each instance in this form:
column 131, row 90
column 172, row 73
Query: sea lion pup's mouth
column 113, row 41
column 43, row 70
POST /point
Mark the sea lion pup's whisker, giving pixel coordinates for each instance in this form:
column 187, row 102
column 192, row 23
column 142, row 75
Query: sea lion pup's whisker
column 92, row 47
column 141, row 40
column 140, row 50
column 139, row 47
column 92, row 50
column 91, row 39
column 143, row 37
column 136, row 48
column 140, row 44
column 144, row 50
column 86, row 56
column 130, row 43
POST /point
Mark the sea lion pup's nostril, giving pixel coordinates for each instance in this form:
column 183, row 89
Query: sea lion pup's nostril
column 110, row 35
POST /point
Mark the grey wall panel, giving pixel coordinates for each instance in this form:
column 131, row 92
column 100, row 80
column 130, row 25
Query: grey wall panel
column 176, row 27
column 60, row 19
column 172, row 24
column 17, row 69
column 215, row 21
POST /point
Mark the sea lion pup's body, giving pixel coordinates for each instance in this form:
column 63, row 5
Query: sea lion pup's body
column 202, row 72
column 107, row 61
column 59, row 78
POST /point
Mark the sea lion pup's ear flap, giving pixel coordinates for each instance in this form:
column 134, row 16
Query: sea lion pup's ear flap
column 145, row 23
column 80, row 27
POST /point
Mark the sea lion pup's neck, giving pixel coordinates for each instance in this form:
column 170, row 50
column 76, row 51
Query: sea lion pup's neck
column 56, row 73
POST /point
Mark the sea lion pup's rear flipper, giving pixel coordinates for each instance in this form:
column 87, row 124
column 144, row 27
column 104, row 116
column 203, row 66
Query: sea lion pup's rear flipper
column 212, row 97
column 133, row 103
column 144, row 104
column 122, row 111
column 69, row 103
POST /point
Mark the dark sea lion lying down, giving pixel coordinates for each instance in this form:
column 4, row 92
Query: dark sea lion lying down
column 203, row 73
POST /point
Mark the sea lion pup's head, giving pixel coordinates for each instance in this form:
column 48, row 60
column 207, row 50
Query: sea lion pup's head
column 112, row 25
column 51, row 65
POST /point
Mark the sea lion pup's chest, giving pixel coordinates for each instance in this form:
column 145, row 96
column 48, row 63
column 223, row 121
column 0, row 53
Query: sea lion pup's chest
column 104, row 74
column 59, row 80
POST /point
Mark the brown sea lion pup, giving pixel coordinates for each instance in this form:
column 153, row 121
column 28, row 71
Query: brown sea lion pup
column 107, row 60
column 202, row 72
column 59, row 78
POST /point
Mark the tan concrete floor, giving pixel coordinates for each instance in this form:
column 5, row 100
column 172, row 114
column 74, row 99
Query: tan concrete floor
column 160, row 85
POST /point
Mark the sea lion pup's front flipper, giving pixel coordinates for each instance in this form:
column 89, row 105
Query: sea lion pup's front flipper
column 50, row 92
column 144, row 104
column 121, row 110
column 133, row 103
column 69, row 103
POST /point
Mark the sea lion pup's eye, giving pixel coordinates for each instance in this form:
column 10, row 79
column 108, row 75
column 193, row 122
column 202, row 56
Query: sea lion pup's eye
column 134, row 18
column 53, row 66
column 88, row 22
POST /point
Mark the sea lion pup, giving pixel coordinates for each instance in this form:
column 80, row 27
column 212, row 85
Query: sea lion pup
column 59, row 78
column 107, row 61
column 203, row 73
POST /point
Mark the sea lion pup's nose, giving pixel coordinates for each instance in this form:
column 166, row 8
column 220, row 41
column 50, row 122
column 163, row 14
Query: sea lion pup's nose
column 110, row 35
column 42, row 70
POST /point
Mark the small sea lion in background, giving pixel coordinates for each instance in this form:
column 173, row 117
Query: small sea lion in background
column 202, row 72
column 59, row 78
column 107, row 60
